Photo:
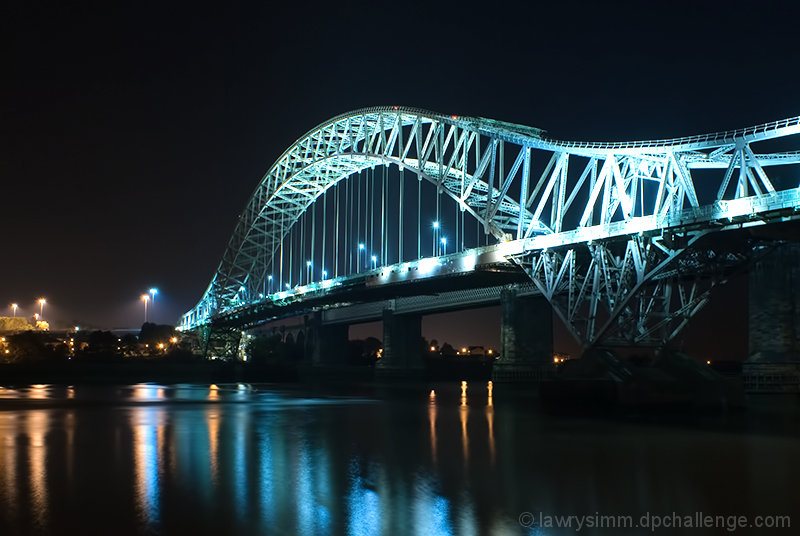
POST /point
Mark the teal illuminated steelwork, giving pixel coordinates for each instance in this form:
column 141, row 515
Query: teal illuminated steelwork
column 607, row 231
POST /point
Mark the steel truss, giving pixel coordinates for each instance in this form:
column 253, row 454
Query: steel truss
column 591, row 222
column 636, row 292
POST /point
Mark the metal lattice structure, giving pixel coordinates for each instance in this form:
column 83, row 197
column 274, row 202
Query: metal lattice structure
column 613, row 234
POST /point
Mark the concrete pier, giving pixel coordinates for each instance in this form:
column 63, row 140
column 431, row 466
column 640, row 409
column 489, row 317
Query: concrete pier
column 402, row 346
column 526, row 339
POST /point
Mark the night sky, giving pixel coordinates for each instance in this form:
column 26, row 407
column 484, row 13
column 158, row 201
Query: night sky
column 133, row 134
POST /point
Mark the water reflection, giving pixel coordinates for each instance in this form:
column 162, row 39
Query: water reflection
column 432, row 422
column 148, row 440
column 36, row 428
column 490, row 421
column 223, row 459
column 463, row 414
column 8, row 467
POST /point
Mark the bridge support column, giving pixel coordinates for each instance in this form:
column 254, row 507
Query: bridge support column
column 221, row 343
column 526, row 338
column 774, row 312
column 328, row 343
column 402, row 346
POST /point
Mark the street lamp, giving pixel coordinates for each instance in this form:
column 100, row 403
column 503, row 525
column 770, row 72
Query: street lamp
column 41, row 307
column 153, row 292
column 269, row 278
column 145, row 299
column 374, row 262
column 324, row 274
column 308, row 267
column 14, row 307
column 358, row 257
column 435, row 234
column 444, row 245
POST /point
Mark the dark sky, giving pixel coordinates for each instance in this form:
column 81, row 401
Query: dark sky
column 132, row 134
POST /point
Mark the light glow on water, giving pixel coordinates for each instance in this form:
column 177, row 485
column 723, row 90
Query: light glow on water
column 147, row 440
column 165, row 459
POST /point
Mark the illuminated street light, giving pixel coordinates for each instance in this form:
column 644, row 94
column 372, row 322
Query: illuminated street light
column 14, row 307
column 324, row 274
column 435, row 236
column 358, row 257
column 308, row 267
column 153, row 292
column 145, row 299
column 374, row 262
column 269, row 278
column 42, row 301
column 444, row 245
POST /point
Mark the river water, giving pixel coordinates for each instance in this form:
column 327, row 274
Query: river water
column 266, row 459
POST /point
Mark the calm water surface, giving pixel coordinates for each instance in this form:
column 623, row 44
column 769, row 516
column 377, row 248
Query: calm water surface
column 261, row 459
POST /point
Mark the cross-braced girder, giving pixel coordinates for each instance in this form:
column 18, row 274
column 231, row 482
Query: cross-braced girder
column 555, row 198
column 639, row 291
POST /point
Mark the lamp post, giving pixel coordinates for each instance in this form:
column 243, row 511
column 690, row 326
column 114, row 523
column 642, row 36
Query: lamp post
column 444, row 245
column 308, row 268
column 358, row 257
column 145, row 299
column 14, row 307
column 374, row 262
column 153, row 292
column 324, row 274
column 269, row 278
column 41, row 307
column 435, row 234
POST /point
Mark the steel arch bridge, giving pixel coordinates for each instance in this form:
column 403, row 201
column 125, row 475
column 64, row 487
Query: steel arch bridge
column 613, row 234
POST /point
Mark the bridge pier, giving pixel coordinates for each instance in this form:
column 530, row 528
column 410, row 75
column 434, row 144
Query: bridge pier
column 327, row 344
column 774, row 308
column 526, row 338
column 402, row 346
column 221, row 343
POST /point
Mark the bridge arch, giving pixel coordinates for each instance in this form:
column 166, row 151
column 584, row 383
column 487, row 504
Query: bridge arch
column 611, row 233
column 461, row 156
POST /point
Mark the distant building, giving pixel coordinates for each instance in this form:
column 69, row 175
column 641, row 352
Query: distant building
column 10, row 324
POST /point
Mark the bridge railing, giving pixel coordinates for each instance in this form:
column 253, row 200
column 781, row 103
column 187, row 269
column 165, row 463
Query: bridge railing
column 714, row 138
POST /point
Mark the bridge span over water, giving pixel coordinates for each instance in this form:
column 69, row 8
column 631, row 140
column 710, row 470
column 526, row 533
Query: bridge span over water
column 625, row 240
